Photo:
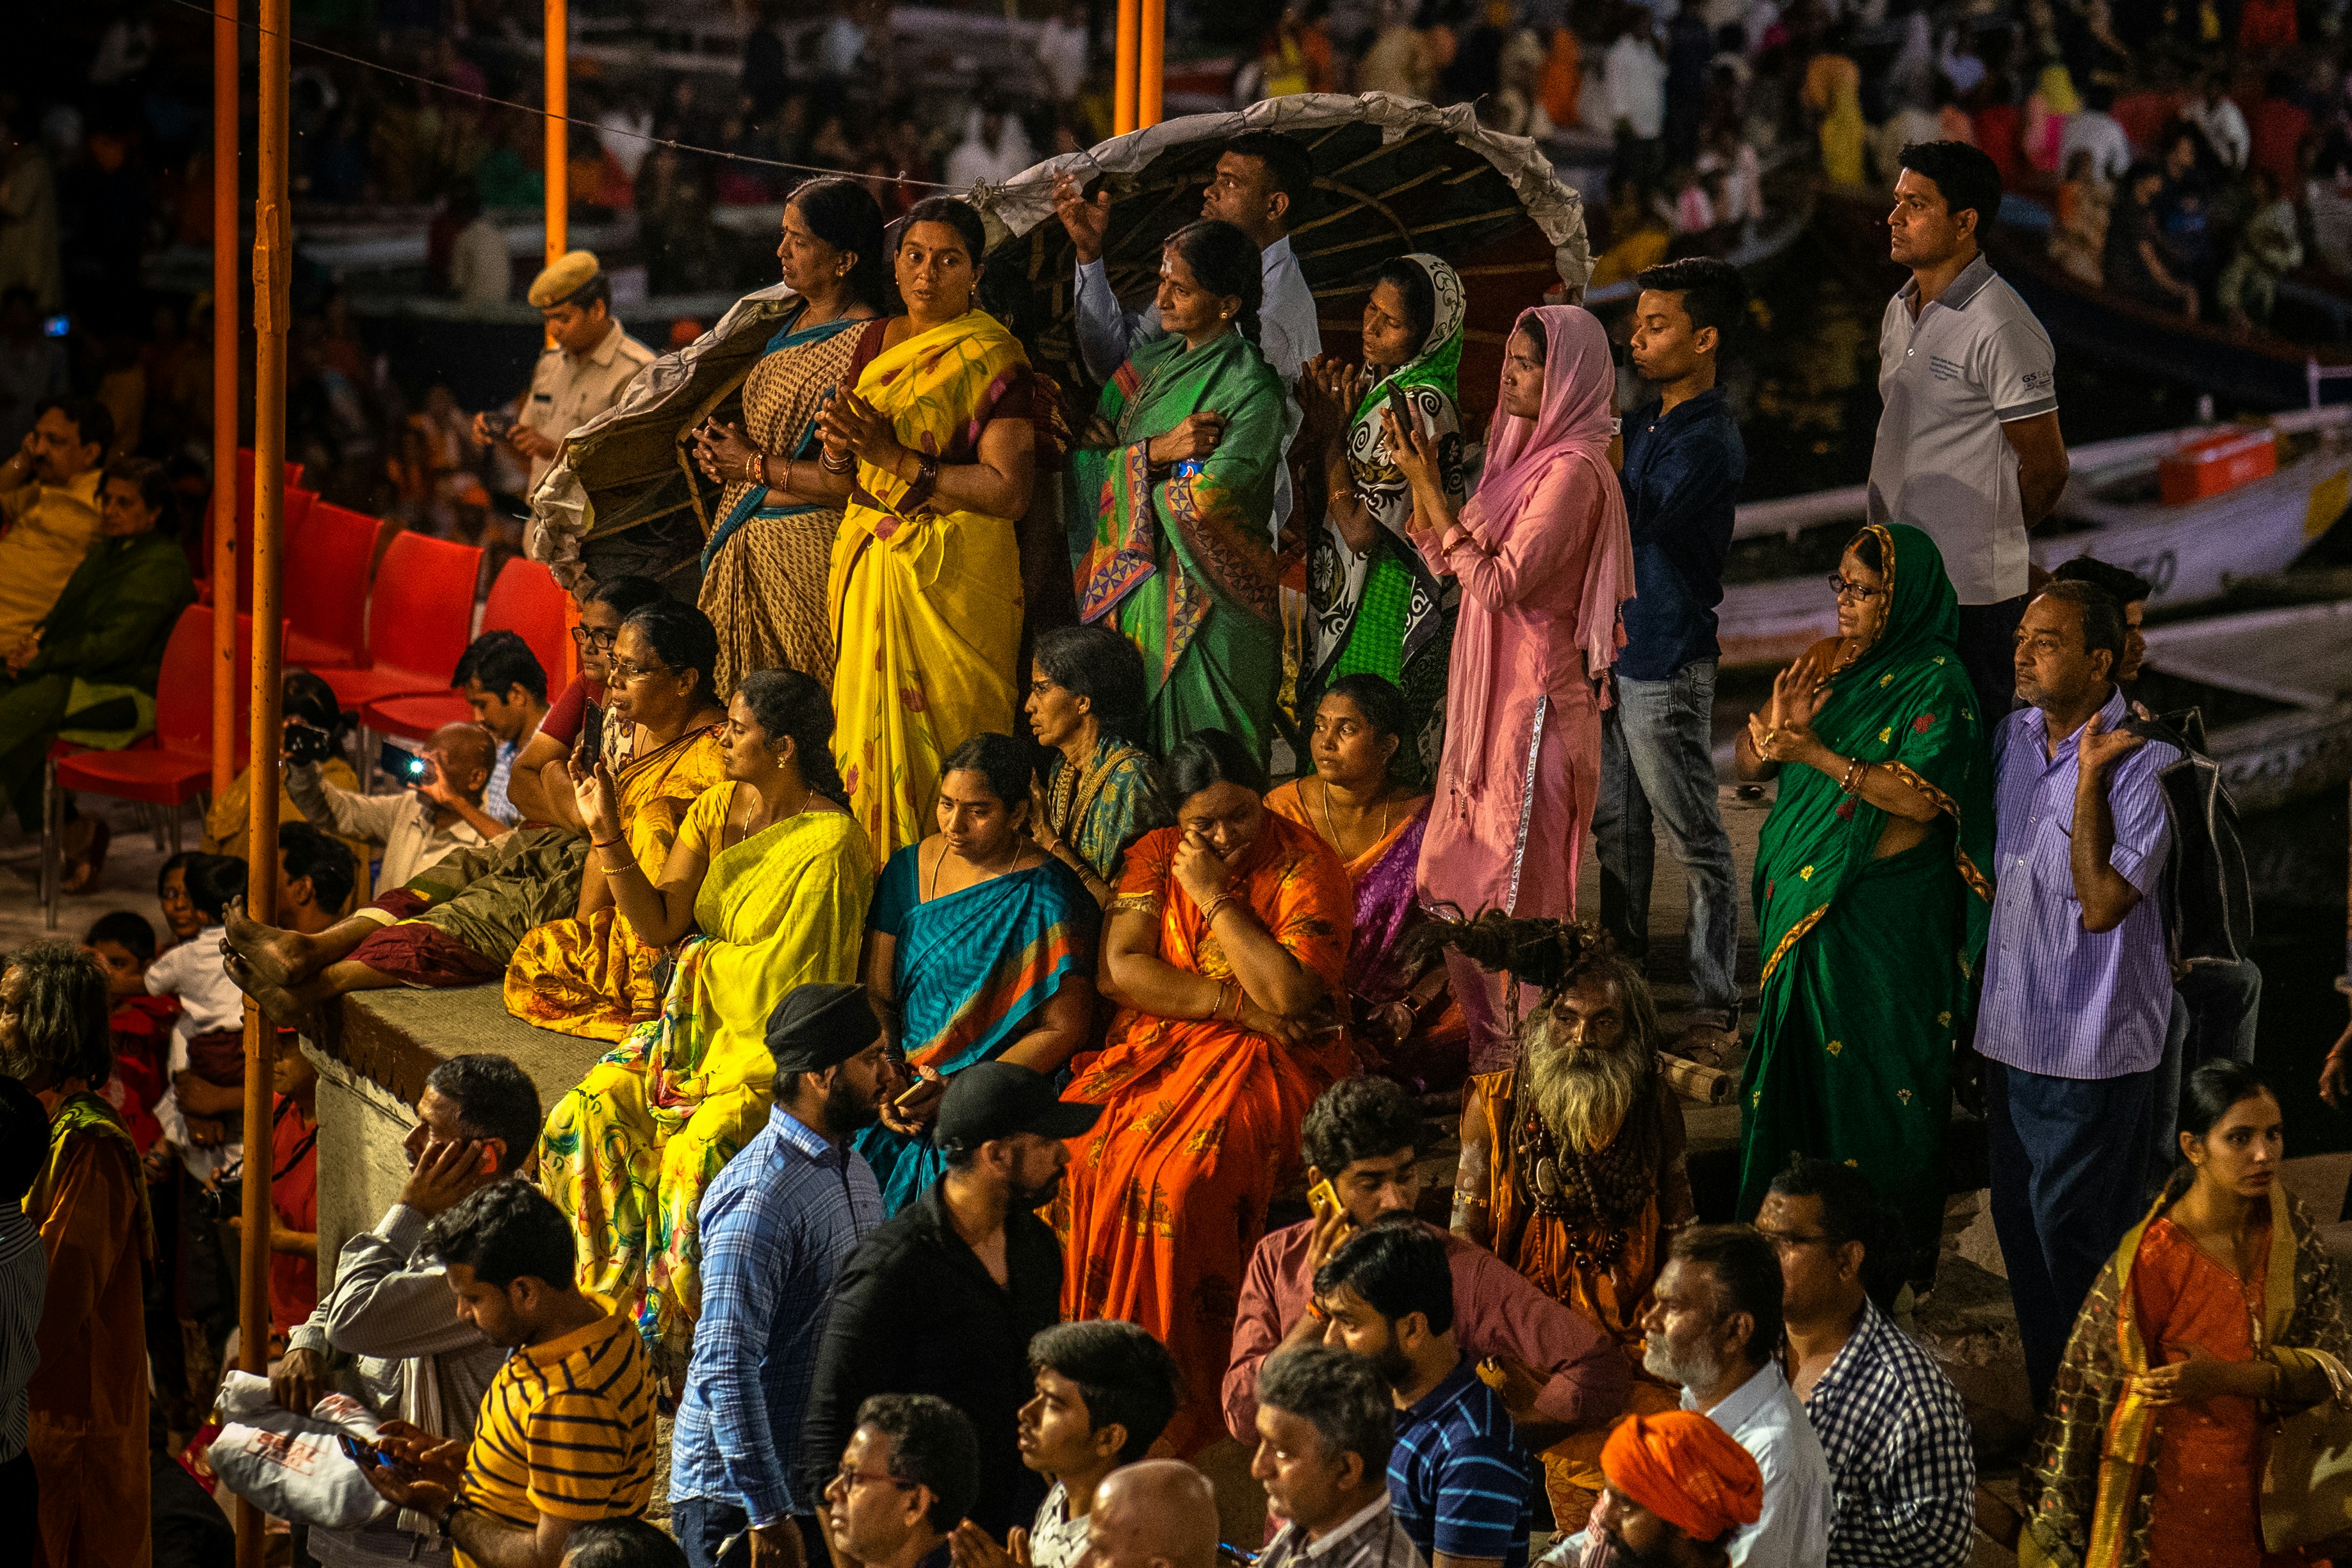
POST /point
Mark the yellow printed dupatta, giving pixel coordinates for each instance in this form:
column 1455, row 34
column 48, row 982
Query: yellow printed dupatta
column 925, row 603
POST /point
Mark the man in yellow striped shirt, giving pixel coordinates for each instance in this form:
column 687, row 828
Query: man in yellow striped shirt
column 566, row 1432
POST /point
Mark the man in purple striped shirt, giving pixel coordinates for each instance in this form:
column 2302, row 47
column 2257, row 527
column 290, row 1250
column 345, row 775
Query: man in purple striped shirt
column 2078, row 984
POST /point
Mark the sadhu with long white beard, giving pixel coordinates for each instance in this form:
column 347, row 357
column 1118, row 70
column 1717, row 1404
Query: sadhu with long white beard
column 1573, row 1167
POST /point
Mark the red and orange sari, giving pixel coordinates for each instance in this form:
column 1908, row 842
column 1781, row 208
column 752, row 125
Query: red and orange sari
column 1166, row 1198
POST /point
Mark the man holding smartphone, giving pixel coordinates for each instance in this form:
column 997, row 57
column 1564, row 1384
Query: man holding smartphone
column 440, row 810
column 588, row 361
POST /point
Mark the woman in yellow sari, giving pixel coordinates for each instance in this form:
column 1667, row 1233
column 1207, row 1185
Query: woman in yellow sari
column 934, row 450
column 767, row 886
column 2220, row 1313
column 593, row 974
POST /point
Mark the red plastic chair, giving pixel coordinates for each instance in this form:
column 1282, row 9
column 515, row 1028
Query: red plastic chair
column 327, row 562
column 298, row 503
column 524, row 599
column 174, row 771
column 420, row 616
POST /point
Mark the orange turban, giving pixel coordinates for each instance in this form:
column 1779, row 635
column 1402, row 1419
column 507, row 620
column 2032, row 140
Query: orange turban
column 1686, row 1469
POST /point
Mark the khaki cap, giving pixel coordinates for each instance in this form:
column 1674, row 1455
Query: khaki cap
column 563, row 278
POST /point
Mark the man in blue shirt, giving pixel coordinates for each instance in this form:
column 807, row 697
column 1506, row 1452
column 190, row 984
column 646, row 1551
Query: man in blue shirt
column 2078, row 979
column 1461, row 1484
column 1684, row 464
column 776, row 1223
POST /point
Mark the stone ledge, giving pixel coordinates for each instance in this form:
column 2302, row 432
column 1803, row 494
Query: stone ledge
column 375, row 1050
column 394, row 1038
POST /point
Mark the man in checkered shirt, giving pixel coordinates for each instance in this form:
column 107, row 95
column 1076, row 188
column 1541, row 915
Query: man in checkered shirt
column 1902, row 1462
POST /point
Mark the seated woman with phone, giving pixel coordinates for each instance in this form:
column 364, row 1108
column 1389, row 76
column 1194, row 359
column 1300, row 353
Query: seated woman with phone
column 982, row 948
column 1375, row 607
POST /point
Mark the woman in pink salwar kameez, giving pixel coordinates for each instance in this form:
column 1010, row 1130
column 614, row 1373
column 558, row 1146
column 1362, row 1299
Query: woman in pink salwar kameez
column 1544, row 560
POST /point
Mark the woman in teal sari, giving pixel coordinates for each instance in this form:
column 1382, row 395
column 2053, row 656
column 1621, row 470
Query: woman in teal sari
column 982, row 948
column 1171, row 495
column 763, row 568
column 1375, row 608
column 1872, row 890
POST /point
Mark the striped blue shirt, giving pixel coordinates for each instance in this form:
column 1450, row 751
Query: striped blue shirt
column 1458, row 1478
column 776, row 1223
column 2059, row 1000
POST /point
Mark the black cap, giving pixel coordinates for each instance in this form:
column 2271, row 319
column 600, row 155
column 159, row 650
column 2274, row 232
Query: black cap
column 821, row 1025
column 997, row 1100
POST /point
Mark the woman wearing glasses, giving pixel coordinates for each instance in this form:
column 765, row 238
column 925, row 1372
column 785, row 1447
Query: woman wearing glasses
column 591, row 975
column 1873, row 887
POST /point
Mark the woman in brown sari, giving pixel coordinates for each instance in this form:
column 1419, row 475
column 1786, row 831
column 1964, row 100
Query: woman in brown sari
column 764, row 567
column 2220, row 1313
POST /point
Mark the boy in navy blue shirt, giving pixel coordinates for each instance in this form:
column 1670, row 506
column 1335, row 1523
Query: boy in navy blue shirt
column 1684, row 464
column 1462, row 1486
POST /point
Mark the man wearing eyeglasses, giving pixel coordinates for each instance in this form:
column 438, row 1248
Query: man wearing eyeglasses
column 909, row 1475
column 1903, row 1467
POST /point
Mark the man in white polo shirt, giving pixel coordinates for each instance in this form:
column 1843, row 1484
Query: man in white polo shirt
column 1969, row 449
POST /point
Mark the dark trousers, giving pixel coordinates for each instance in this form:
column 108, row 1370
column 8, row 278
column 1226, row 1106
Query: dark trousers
column 2068, row 1158
column 1988, row 653
column 704, row 1524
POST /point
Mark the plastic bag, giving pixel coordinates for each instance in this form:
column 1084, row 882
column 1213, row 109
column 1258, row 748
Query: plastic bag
column 292, row 1466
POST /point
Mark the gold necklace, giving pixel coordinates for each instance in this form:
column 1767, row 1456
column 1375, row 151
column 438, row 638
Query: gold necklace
column 946, row 850
column 1333, row 832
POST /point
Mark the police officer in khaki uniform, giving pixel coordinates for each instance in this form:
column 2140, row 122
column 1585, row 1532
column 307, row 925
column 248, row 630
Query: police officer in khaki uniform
column 580, row 376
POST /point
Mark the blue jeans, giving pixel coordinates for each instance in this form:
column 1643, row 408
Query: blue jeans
column 1653, row 761
column 2068, row 1160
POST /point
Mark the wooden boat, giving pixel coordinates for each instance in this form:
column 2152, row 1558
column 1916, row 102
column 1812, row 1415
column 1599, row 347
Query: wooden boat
column 2276, row 686
column 1775, row 604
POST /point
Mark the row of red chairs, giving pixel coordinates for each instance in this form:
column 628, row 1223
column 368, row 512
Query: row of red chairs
column 387, row 642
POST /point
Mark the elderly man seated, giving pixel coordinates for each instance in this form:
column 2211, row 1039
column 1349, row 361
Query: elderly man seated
column 89, row 669
column 1572, row 1160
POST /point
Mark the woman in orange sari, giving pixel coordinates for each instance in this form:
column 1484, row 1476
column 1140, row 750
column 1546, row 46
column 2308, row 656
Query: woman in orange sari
column 589, row 975
column 2220, row 1313
column 1222, row 950
column 1401, row 1011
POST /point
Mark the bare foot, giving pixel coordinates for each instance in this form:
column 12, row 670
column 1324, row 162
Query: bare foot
column 284, row 1008
column 274, row 957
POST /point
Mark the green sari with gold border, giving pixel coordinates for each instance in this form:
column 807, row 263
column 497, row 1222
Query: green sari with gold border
column 1178, row 559
column 1867, row 960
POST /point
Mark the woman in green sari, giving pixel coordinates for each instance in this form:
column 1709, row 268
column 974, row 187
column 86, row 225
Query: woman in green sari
column 1374, row 606
column 1872, row 897
column 1171, row 493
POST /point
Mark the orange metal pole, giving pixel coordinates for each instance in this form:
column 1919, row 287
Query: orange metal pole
column 1123, row 81
column 1149, row 64
column 270, row 269
column 226, row 292
column 559, row 145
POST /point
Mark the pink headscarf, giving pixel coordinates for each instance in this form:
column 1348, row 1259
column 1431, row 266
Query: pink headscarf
column 1573, row 425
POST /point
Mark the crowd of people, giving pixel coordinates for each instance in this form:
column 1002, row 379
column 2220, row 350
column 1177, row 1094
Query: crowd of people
column 976, row 997
column 958, row 1061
